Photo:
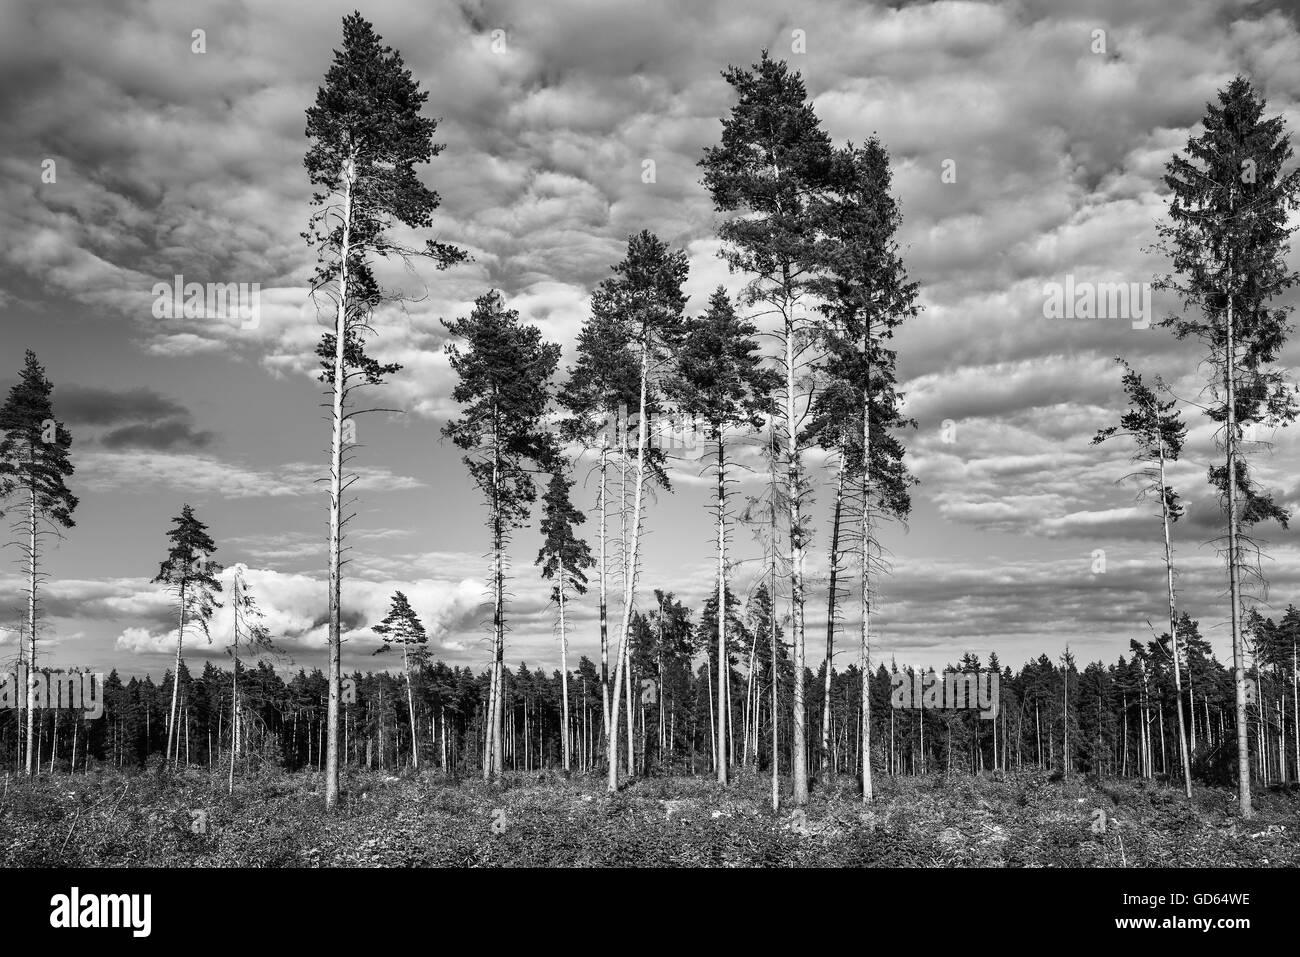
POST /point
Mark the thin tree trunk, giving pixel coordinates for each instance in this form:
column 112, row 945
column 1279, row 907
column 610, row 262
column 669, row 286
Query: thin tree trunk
column 564, row 673
column 604, row 597
column 31, row 627
column 713, row 724
column 1173, row 631
column 234, row 705
column 865, row 651
column 798, row 731
column 724, row 669
column 1065, row 719
column 176, row 675
column 1234, row 584
column 493, row 754
column 410, row 705
column 629, row 584
column 772, row 546
column 1295, row 705
column 831, row 602
column 336, row 489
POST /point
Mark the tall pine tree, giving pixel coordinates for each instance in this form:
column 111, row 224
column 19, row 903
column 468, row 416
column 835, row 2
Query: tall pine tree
column 1226, row 235
column 645, row 296
column 720, row 380
column 502, row 387
column 771, row 162
column 564, row 559
column 34, row 464
column 367, row 138
column 602, row 385
column 865, row 296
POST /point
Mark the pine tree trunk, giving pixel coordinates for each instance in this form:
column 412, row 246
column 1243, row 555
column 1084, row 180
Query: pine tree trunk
column 410, row 705
column 831, row 602
column 1038, row 733
column 1295, row 704
column 334, row 677
column 176, row 675
column 1173, row 632
column 864, row 651
column 713, row 723
column 798, row 731
column 724, row 669
column 772, row 546
column 1234, row 584
column 1065, row 720
column 604, row 594
column 234, row 708
column 31, row 629
column 749, row 706
column 629, row 584
column 564, row 673
column 493, row 753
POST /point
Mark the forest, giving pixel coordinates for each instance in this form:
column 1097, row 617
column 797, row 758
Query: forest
column 788, row 396
column 1099, row 721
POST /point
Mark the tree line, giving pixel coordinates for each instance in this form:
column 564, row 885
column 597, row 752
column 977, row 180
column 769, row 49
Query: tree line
column 1114, row 720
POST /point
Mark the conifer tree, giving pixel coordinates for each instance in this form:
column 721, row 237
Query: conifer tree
column 249, row 627
column 602, row 385
column 865, row 296
column 772, row 160
column 402, row 627
column 564, row 558
column 719, row 378
column 190, row 571
column 368, row 135
column 1226, row 236
column 645, row 296
column 502, row 388
column 34, row 466
column 1158, row 433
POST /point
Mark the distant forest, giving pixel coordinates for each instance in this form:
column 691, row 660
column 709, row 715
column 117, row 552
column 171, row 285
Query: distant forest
column 1105, row 720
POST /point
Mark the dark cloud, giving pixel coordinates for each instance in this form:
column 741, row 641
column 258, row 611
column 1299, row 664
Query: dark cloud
column 120, row 419
column 173, row 434
column 87, row 405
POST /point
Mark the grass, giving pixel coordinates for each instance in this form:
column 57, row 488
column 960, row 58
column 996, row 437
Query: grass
column 1026, row 819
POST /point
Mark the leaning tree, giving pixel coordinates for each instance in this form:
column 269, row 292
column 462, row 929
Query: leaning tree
column 1158, row 434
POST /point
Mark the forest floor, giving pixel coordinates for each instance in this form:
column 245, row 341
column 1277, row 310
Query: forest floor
column 273, row 819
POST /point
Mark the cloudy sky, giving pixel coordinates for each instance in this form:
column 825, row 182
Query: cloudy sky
column 167, row 161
